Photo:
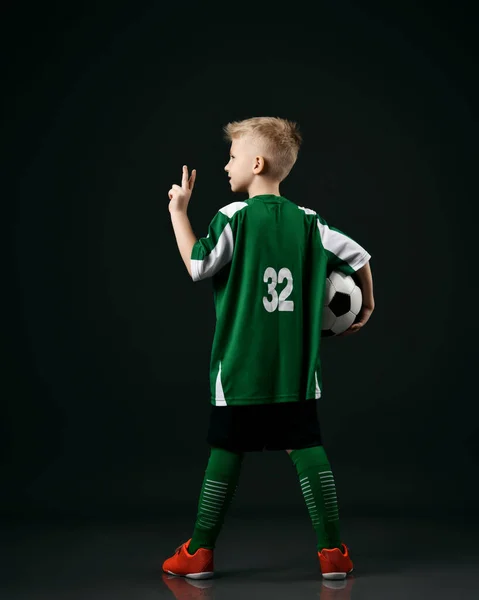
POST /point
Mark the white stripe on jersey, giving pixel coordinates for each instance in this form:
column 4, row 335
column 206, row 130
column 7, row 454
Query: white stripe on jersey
column 217, row 258
column 343, row 247
column 339, row 244
column 222, row 253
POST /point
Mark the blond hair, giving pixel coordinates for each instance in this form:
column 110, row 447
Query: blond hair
column 279, row 138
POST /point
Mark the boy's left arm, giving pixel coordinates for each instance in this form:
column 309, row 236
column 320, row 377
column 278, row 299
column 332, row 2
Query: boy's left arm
column 178, row 206
column 185, row 237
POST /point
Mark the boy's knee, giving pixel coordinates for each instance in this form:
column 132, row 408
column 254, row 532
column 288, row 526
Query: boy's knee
column 312, row 455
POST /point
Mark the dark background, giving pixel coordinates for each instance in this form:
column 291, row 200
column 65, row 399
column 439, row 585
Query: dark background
column 105, row 390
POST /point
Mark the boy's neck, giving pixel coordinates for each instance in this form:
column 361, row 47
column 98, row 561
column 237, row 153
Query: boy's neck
column 264, row 187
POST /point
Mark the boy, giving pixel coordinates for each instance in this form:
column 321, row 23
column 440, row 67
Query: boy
column 268, row 259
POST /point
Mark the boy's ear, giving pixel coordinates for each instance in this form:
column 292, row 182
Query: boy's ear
column 259, row 164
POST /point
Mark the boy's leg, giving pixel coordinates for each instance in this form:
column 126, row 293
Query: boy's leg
column 219, row 486
column 319, row 491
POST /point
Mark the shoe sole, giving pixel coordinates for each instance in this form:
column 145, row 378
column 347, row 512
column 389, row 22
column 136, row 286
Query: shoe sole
column 205, row 575
column 209, row 574
column 338, row 575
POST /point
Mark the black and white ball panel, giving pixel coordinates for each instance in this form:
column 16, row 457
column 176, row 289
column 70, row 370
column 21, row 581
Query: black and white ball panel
column 342, row 303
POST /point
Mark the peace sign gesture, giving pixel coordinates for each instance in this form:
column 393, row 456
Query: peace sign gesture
column 180, row 196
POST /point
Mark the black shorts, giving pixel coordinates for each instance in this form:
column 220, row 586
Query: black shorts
column 258, row 427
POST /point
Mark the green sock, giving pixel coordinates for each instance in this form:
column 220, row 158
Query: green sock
column 319, row 492
column 219, row 487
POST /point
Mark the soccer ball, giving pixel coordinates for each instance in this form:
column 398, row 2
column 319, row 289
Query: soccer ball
column 342, row 303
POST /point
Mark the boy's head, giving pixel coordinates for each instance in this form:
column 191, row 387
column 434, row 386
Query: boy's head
column 265, row 147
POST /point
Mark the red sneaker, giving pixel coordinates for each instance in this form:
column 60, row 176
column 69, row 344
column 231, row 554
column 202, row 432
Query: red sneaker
column 199, row 565
column 335, row 563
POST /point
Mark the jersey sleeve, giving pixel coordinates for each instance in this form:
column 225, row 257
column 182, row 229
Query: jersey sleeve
column 343, row 253
column 209, row 254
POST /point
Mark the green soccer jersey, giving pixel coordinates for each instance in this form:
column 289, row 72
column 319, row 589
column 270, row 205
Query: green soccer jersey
column 268, row 259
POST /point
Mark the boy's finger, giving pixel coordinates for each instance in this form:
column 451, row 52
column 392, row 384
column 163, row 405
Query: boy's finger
column 352, row 329
column 185, row 176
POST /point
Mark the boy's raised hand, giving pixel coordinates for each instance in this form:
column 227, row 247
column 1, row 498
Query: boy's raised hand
column 180, row 196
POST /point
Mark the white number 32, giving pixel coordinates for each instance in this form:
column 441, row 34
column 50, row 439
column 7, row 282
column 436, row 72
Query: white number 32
column 281, row 303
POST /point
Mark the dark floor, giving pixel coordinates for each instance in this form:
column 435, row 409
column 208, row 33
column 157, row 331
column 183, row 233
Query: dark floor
column 254, row 558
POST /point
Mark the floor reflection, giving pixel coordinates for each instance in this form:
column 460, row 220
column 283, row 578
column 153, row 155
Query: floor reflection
column 183, row 588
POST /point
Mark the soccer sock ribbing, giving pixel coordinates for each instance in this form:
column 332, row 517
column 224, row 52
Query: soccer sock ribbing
column 219, row 487
column 319, row 492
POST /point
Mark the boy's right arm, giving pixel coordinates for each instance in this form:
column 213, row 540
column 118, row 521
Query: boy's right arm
column 365, row 278
column 365, row 282
column 340, row 248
